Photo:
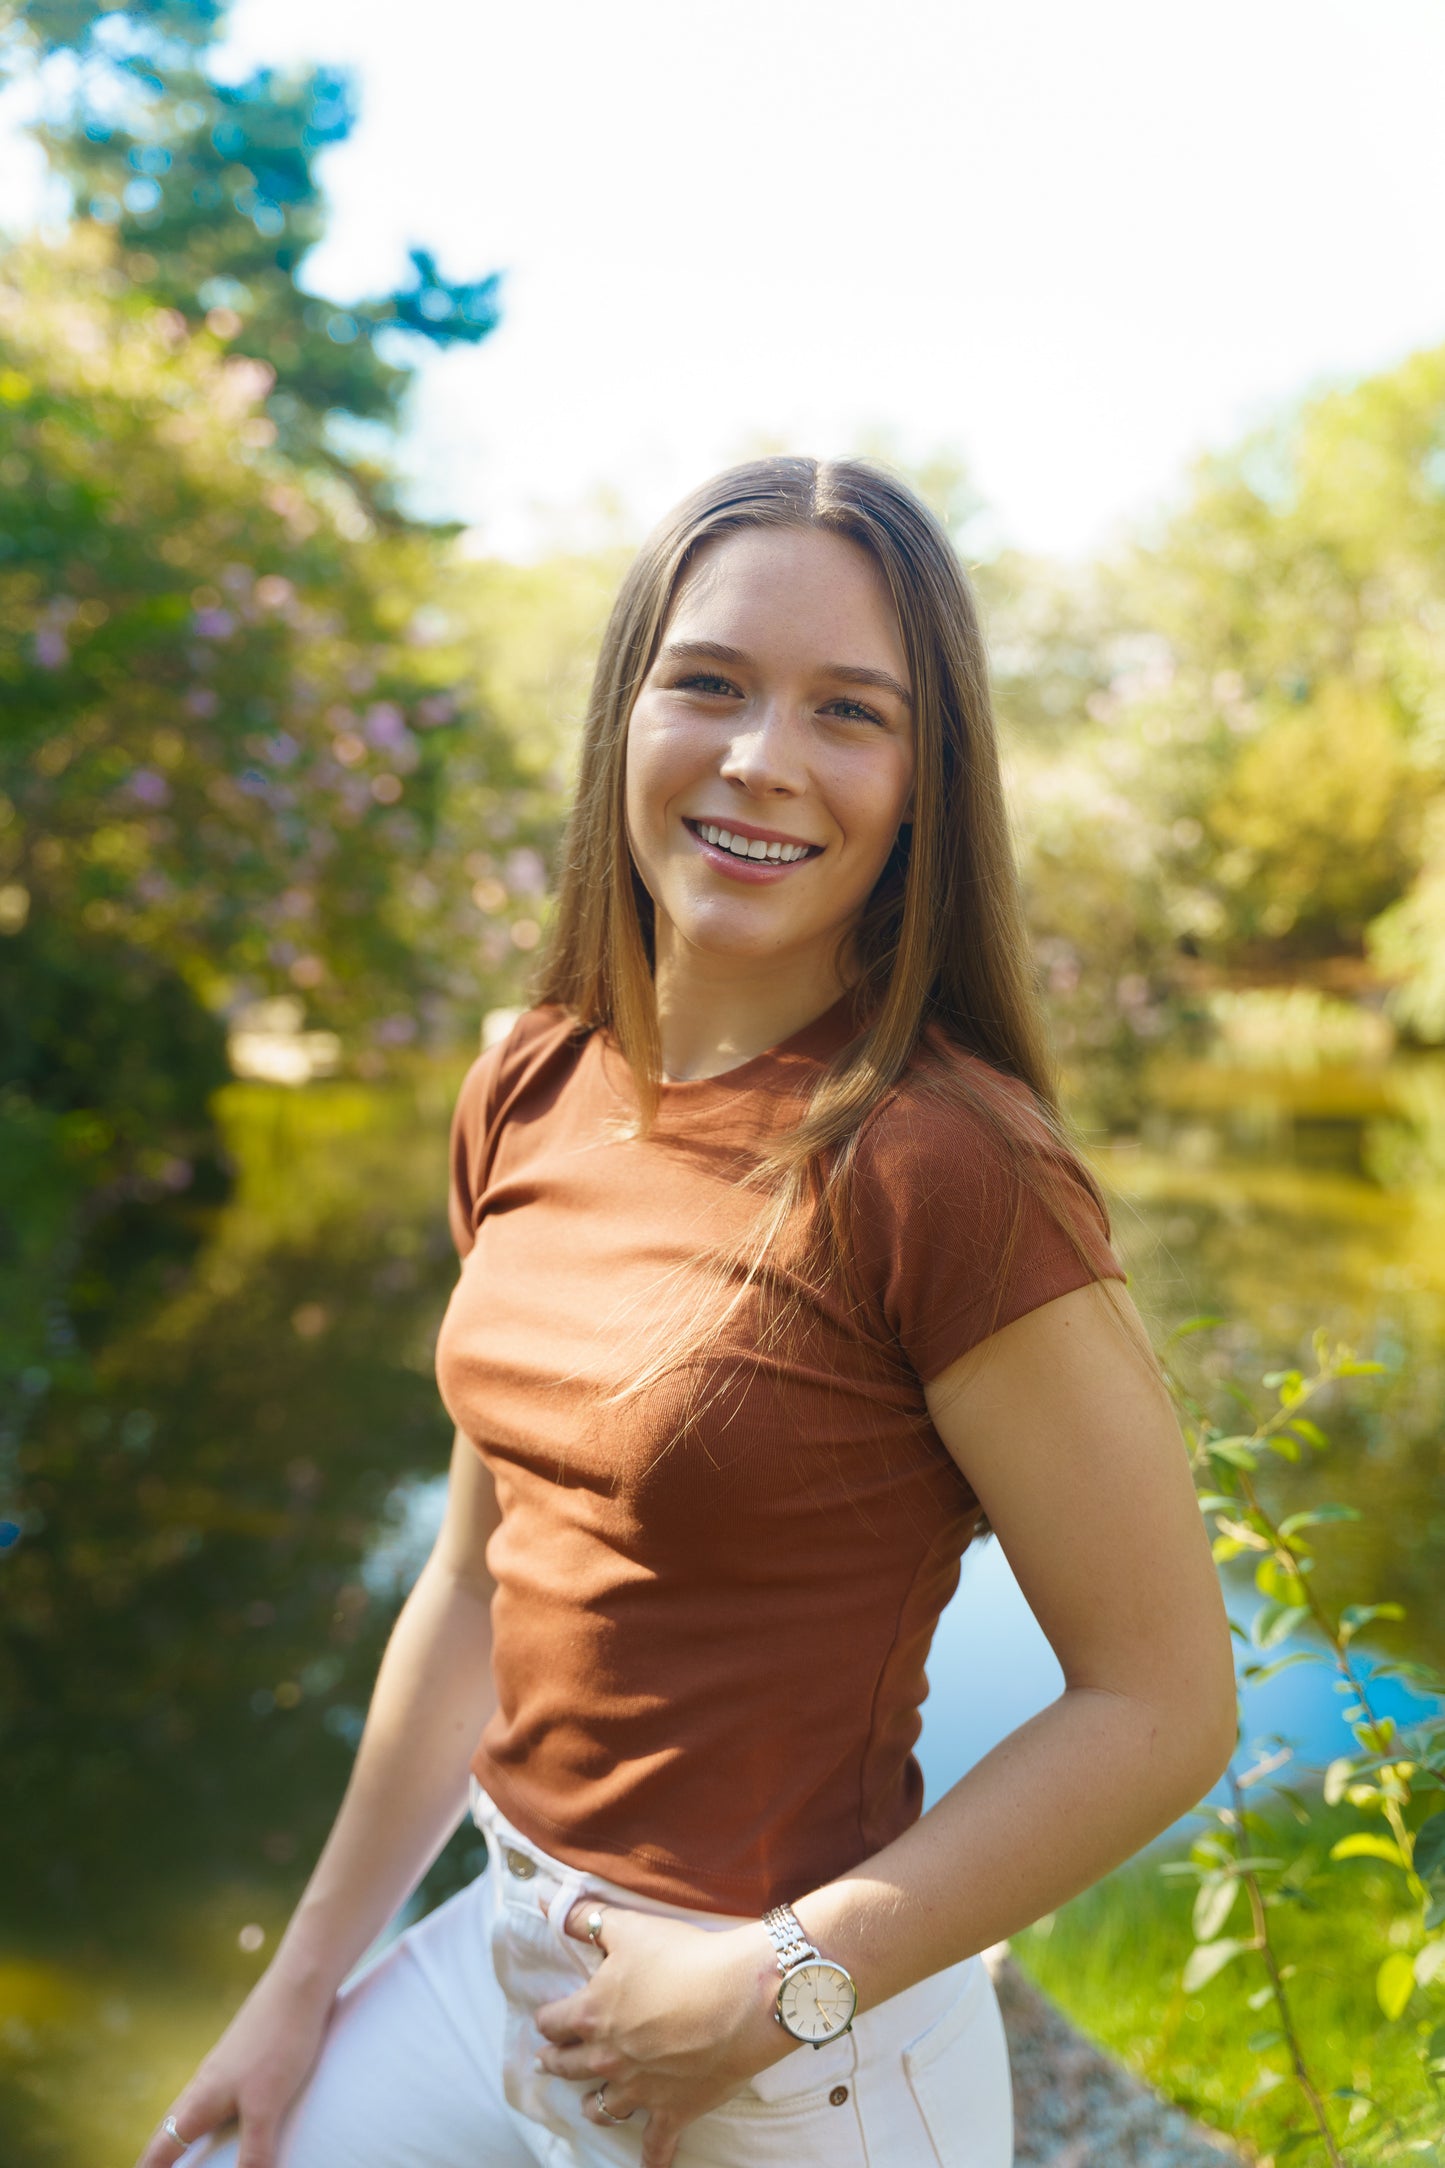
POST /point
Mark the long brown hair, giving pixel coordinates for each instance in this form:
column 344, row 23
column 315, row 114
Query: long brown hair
column 942, row 938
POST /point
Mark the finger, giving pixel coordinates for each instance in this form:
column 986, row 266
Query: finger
column 194, row 2115
column 565, row 2022
column 579, row 1922
column 659, row 2141
column 619, row 2108
column 581, row 2062
column 258, row 2142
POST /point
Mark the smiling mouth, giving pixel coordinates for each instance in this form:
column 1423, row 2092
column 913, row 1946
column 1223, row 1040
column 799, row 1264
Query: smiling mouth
column 752, row 848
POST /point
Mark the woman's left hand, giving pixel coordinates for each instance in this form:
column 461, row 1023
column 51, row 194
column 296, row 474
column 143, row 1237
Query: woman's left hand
column 672, row 2022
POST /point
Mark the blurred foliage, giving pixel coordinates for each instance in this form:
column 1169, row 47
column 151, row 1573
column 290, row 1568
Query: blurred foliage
column 227, row 695
column 1286, row 693
column 211, row 190
column 244, row 748
column 1226, row 747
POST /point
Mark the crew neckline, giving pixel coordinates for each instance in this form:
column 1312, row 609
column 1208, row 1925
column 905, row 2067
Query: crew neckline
column 818, row 1039
column 811, row 1045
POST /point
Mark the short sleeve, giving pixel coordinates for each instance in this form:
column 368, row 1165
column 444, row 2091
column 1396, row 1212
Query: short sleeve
column 953, row 1240
column 472, row 1121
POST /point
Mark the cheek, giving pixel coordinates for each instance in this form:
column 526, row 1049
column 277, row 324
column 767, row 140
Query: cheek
column 660, row 762
column 877, row 804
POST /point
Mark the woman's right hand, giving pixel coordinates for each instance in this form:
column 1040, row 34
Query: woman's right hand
column 252, row 2075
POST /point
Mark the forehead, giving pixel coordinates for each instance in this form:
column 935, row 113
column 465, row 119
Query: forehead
column 803, row 590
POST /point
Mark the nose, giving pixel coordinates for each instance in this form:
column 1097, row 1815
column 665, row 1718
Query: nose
column 765, row 752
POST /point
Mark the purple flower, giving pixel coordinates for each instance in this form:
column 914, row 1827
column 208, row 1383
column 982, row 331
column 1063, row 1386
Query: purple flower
column 385, row 723
column 213, row 624
column 51, row 651
column 524, row 873
column 150, row 787
column 397, row 1030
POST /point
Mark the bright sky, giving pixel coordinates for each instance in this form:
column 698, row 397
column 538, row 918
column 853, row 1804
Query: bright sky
column 1075, row 244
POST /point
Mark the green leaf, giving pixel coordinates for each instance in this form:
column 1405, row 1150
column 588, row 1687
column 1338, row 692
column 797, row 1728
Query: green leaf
column 1309, row 1431
column 1356, row 1615
column 1272, row 1578
column 1275, row 1622
column 1258, row 1673
column 1259, row 2043
column 1202, row 1323
column 1235, row 1452
column 1316, row 1517
column 1395, row 1984
column 1214, row 1904
column 1430, row 1849
column 1337, row 1776
column 1367, row 1844
column 1209, row 1958
column 1357, row 1369
column 1282, row 1443
column 1224, row 1548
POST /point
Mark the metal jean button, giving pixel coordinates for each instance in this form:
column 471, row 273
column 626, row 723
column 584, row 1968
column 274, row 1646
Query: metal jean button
column 519, row 1865
column 838, row 2095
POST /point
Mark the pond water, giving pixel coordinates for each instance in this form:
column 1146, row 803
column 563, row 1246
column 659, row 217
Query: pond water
column 220, row 1532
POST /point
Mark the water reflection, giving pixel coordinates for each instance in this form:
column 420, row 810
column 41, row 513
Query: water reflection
column 221, row 1533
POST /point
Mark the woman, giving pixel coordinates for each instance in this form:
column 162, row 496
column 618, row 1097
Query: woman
column 778, row 1275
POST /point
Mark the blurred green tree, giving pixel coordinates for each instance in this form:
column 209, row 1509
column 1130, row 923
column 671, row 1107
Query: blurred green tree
column 1281, row 677
column 240, row 753
column 211, row 189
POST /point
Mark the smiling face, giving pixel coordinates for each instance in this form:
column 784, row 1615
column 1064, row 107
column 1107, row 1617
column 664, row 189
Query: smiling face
column 770, row 753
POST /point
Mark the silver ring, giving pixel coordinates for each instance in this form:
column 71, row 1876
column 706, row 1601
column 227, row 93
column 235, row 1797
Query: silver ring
column 602, row 2108
column 169, row 2127
column 593, row 1925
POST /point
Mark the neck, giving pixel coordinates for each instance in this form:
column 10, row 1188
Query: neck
column 715, row 1013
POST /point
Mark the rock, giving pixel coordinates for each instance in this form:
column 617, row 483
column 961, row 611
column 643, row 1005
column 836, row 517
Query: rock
column 1074, row 2106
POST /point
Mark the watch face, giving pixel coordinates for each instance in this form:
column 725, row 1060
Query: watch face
column 816, row 2001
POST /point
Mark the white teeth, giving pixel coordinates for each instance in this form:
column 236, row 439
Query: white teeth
column 741, row 847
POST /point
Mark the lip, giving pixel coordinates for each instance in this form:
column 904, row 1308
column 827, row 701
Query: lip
column 749, row 869
column 747, row 828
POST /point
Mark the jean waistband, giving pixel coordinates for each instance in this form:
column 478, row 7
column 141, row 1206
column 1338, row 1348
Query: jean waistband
column 883, row 2029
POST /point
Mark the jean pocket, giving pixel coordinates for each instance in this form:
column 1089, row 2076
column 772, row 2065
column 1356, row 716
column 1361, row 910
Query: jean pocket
column 817, row 2123
column 958, row 2073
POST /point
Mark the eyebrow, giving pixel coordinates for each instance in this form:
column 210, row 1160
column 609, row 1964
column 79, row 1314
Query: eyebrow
column 847, row 673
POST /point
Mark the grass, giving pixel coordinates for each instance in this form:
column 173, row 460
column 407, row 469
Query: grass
column 1112, row 1961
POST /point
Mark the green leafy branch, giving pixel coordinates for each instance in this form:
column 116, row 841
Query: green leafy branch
column 1394, row 1774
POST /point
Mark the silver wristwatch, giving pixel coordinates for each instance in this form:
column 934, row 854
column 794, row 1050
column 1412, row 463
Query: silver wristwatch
column 816, row 1998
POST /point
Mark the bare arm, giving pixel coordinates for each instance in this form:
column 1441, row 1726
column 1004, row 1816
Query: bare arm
column 408, row 1785
column 406, row 1794
column 1062, row 1425
column 1068, row 1438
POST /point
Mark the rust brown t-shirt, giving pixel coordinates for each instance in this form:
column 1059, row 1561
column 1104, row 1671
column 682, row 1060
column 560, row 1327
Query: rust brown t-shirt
column 709, row 1640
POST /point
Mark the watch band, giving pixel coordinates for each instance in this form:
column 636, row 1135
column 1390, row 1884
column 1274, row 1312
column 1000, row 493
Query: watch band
column 785, row 1930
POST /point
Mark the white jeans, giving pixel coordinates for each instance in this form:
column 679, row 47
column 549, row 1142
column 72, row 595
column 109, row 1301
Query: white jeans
column 429, row 2058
